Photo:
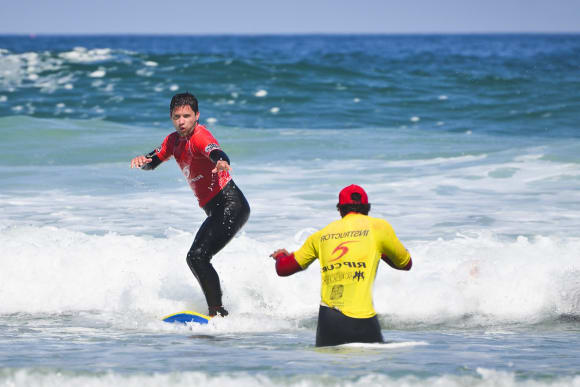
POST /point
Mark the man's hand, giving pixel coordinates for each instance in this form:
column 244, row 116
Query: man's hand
column 286, row 264
column 279, row 253
column 139, row 161
column 221, row 165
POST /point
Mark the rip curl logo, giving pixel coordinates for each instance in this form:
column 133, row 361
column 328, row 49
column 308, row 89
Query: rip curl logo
column 342, row 249
column 211, row 147
column 338, row 265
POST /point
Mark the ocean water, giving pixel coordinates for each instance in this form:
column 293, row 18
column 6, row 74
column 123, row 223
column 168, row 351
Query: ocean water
column 468, row 145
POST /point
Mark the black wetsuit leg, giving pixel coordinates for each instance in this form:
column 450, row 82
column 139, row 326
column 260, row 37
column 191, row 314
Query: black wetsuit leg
column 226, row 213
column 334, row 328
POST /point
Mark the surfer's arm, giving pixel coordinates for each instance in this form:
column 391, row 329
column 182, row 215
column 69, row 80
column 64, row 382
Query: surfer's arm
column 149, row 161
column 286, row 264
column 407, row 267
column 221, row 160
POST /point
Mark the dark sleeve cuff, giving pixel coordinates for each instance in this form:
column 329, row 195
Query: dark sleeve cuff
column 407, row 267
column 155, row 161
column 217, row 155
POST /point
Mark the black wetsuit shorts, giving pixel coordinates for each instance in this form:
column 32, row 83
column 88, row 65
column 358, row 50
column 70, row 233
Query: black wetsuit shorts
column 334, row 328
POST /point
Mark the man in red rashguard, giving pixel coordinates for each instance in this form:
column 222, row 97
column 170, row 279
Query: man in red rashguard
column 349, row 251
column 206, row 168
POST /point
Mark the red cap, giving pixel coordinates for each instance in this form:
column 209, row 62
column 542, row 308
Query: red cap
column 346, row 195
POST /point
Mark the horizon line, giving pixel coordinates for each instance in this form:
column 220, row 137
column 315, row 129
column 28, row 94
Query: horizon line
column 35, row 34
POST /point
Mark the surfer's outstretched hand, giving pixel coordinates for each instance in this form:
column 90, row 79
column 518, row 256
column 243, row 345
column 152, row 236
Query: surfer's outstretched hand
column 139, row 161
column 278, row 253
column 222, row 165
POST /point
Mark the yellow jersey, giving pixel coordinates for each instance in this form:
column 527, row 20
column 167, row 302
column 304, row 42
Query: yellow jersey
column 349, row 251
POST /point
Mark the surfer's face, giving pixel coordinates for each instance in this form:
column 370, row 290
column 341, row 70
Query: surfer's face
column 184, row 120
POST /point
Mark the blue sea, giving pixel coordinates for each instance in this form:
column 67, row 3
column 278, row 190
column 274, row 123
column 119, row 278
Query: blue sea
column 469, row 145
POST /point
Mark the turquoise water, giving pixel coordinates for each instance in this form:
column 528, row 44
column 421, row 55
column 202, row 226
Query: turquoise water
column 468, row 145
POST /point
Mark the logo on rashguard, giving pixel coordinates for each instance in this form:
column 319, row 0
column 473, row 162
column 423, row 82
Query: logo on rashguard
column 344, row 265
column 359, row 275
column 342, row 249
column 336, row 292
column 211, row 147
column 192, row 179
column 331, row 277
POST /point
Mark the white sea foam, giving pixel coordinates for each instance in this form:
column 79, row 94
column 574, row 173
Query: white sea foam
column 520, row 280
column 26, row 67
column 83, row 55
column 386, row 346
column 100, row 73
column 261, row 93
column 59, row 270
column 483, row 378
column 439, row 161
column 144, row 72
column 48, row 269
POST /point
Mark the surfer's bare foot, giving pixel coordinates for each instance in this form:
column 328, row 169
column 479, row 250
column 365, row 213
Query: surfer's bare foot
column 215, row 310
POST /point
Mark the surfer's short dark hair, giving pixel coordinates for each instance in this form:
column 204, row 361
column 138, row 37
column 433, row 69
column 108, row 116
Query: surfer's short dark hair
column 183, row 99
column 356, row 207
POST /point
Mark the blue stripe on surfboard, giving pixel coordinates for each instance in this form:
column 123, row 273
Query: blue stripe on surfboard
column 186, row 317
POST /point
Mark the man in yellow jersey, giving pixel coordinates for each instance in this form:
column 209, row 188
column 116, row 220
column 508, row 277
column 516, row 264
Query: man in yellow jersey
column 349, row 251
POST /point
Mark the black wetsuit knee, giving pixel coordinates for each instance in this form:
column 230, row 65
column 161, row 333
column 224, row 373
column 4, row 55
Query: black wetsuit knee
column 196, row 259
column 206, row 275
column 334, row 328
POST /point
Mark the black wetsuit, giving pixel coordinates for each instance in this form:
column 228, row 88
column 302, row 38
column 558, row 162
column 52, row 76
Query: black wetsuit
column 334, row 328
column 226, row 213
